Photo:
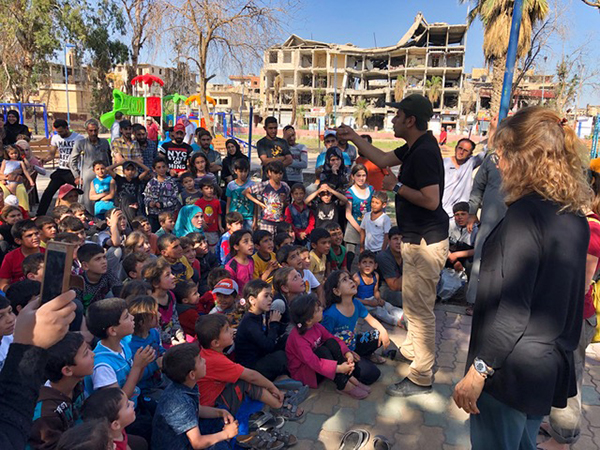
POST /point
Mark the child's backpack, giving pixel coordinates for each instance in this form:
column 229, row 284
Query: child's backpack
column 596, row 294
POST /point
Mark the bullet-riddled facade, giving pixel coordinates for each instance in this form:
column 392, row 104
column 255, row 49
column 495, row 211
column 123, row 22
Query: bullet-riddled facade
column 310, row 74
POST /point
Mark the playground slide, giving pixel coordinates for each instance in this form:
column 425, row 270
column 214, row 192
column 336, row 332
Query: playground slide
column 130, row 106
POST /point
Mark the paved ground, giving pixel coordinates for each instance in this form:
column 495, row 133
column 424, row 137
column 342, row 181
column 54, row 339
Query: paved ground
column 422, row 422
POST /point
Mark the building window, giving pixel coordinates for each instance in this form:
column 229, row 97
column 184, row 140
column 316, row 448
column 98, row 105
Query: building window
column 287, row 57
column 223, row 101
column 273, row 57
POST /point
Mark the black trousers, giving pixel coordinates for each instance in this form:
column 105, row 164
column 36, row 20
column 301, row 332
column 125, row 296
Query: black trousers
column 57, row 179
column 272, row 365
column 366, row 344
column 331, row 350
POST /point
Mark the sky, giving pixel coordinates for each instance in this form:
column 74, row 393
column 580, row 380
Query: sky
column 385, row 21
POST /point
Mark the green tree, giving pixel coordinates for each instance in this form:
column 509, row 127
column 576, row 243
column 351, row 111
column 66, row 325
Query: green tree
column 434, row 88
column 33, row 32
column 566, row 85
column 496, row 16
column 361, row 112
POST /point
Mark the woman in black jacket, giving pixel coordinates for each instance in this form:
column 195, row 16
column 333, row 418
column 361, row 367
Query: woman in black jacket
column 13, row 127
column 529, row 305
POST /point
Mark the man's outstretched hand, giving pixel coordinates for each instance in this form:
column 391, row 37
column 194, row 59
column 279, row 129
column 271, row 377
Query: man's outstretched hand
column 45, row 325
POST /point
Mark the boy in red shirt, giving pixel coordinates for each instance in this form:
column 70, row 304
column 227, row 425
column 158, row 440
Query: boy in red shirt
column 27, row 236
column 211, row 206
column 227, row 383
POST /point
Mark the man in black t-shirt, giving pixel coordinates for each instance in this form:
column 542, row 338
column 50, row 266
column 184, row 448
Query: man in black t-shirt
column 271, row 148
column 424, row 227
column 176, row 151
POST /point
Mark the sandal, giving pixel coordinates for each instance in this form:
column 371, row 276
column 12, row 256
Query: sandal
column 289, row 411
column 381, row 443
column 274, row 423
column 259, row 440
column 258, row 419
column 288, row 439
column 377, row 359
column 297, row 396
column 354, row 439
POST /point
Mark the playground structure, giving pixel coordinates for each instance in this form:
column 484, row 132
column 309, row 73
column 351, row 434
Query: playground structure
column 155, row 107
column 21, row 108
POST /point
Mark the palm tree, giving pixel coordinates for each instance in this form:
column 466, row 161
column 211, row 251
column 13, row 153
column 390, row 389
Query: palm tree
column 496, row 16
column 361, row 112
column 399, row 88
column 434, row 88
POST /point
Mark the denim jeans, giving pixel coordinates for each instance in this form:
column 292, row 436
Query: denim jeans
column 500, row 427
column 564, row 422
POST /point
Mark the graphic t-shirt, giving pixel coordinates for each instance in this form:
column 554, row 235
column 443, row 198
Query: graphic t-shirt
column 177, row 155
column 65, row 147
column 212, row 210
column 274, row 199
column 326, row 212
column 239, row 202
column 342, row 326
column 272, row 149
column 361, row 203
column 132, row 189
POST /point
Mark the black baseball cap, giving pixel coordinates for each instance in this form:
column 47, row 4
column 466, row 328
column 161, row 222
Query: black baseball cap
column 415, row 105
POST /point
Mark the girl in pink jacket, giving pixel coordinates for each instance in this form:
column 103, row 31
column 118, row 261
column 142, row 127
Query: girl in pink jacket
column 314, row 353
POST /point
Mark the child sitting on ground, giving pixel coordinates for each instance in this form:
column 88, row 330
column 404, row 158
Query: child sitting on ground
column 189, row 195
column 282, row 239
column 208, row 261
column 313, row 353
column 208, row 299
column 135, row 288
column 27, row 237
column 48, row 229
column 226, row 383
column 114, row 365
column 341, row 317
column 141, row 223
column 10, row 215
column 462, row 241
column 166, row 220
column 33, row 267
column 113, row 406
column 189, row 253
column 320, row 242
column 61, row 398
column 284, row 227
column 337, row 253
column 158, row 274
column 375, row 225
column 265, row 261
column 102, row 190
column 234, row 221
column 226, row 294
column 171, row 251
column 98, row 282
column 367, row 282
column 21, row 293
column 272, row 196
column 144, row 310
column 212, row 213
column 259, row 342
column 188, row 305
column 299, row 215
column 133, row 264
column 241, row 264
column 180, row 422
column 287, row 285
column 295, row 256
column 137, row 241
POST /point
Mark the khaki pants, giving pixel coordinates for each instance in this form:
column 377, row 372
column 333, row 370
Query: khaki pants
column 421, row 269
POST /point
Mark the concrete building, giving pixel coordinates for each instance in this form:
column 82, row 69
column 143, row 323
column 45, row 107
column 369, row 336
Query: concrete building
column 315, row 73
column 236, row 97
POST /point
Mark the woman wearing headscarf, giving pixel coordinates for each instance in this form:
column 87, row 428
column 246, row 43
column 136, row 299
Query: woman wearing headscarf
column 335, row 171
column 189, row 220
column 233, row 152
column 13, row 127
column 529, row 306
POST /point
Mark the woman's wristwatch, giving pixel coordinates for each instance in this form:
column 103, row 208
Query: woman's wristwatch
column 482, row 368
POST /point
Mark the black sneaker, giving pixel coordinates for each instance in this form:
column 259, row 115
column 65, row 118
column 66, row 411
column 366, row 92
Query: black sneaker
column 400, row 357
column 407, row 388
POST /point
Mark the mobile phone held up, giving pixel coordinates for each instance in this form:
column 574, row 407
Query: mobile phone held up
column 58, row 262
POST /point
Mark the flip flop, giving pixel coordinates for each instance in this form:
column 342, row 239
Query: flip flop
column 381, row 443
column 274, row 423
column 354, row 439
column 377, row 359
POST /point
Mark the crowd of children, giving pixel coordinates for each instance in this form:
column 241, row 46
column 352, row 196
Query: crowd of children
column 197, row 297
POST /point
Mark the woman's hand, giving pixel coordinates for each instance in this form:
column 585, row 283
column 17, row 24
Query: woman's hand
column 468, row 390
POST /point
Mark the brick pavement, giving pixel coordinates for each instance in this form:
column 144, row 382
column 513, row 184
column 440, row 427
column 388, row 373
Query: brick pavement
column 422, row 422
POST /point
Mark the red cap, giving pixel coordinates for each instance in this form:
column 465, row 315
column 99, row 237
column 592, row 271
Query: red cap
column 66, row 188
column 178, row 127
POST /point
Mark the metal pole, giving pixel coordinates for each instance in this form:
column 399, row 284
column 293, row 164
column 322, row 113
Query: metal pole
column 511, row 57
column 250, row 125
column 67, row 87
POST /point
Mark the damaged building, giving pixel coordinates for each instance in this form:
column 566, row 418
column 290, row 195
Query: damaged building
column 308, row 75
